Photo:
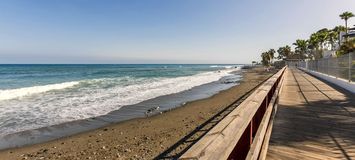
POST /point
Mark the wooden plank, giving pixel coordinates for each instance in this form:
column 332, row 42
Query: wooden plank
column 258, row 141
column 265, row 146
column 259, row 137
column 317, row 126
column 302, row 154
column 219, row 142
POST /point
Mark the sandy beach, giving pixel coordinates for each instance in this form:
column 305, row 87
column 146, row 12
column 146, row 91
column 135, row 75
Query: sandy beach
column 142, row 138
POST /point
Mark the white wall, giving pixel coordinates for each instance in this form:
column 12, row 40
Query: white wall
column 350, row 86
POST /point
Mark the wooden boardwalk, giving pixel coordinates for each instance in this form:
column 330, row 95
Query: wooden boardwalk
column 314, row 120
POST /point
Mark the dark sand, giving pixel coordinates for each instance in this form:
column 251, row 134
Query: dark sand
column 142, row 138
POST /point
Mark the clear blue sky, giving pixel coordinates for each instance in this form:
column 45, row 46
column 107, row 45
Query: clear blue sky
column 157, row 31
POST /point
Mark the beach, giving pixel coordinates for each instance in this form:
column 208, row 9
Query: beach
column 140, row 138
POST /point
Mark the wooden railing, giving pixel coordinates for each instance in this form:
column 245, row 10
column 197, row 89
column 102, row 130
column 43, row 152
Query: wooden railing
column 245, row 132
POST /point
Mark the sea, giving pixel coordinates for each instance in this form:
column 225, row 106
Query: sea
column 35, row 96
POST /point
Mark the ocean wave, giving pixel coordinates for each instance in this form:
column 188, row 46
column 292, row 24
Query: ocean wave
column 222, row 66
column 139, row 92
column 90, row 98
column 20, row 92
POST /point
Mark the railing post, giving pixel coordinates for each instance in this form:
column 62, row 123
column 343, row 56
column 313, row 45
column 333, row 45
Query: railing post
column 267, row 101
column 327, row 67
column 350, row 66
column 336, row 69
column 251, row 132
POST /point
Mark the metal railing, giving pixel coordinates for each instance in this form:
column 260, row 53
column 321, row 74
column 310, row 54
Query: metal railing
column 340, row 67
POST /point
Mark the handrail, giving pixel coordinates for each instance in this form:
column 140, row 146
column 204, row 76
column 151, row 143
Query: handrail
column 240, row 134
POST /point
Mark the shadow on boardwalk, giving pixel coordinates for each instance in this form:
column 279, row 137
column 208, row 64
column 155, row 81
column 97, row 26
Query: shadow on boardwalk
column 315, row 120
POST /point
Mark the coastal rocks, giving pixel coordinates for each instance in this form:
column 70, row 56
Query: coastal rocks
column 229, row 81
column 26, row 156
column 118, row 155
column 41, row 154
column 152, row 110
column 43, row 151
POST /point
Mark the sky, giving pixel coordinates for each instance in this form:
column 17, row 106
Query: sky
column 158, row 31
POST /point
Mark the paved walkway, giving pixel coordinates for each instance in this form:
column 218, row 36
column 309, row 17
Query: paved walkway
column 314, row 120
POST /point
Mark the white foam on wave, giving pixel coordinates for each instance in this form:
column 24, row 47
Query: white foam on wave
column 140, row 92
column 90, row 100
column 20, row 92
column 222, row 66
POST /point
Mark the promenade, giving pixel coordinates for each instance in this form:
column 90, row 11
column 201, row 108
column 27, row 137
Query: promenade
column 314, row 120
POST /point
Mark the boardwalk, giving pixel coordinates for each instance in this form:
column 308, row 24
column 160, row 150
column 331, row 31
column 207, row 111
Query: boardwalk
column 314, row 120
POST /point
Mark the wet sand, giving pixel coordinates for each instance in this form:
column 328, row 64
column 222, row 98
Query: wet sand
column 141, row 138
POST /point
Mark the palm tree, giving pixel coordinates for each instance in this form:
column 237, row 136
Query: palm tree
column 265, row 59
column 332, row 38
column 345, row 16
column 337, row 30
column 322, row 35
column 316, row 42
column 346, row 47
column 313, row 45
column 271, row 54
column 284, row 52
column 301, row 47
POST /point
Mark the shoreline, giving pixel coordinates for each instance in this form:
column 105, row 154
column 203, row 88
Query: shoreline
column 124, row 113
column 139, row 138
